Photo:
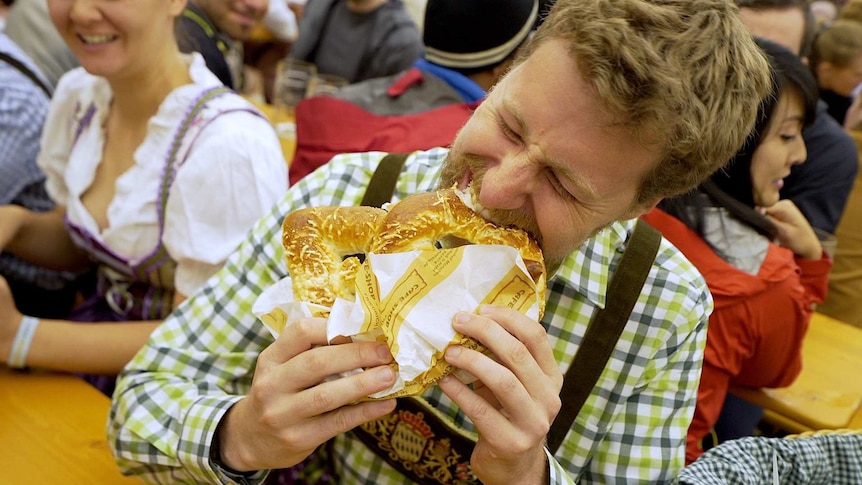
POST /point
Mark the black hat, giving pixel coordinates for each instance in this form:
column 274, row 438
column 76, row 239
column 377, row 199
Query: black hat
column 470, row 34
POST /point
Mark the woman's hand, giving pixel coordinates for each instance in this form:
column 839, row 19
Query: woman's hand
column 794, row 231
column 10, row 320
column 11, row 217
column 516, row 398
column 40, row 238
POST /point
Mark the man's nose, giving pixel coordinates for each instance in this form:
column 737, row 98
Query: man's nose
column 509, row 184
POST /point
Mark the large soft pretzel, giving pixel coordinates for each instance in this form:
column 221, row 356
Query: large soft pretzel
column 320, row 245
column 420, row 221
column 319, row 242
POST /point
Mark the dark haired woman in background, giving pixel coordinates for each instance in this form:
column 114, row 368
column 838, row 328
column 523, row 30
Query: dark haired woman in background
column 762, row 260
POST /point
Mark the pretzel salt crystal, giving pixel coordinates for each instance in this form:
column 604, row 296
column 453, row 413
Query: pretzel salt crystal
column 319, row 243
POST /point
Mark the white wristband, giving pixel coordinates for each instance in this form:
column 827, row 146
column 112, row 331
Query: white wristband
column 21, row 344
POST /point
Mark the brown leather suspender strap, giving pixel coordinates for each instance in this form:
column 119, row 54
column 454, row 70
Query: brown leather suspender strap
column 382, row 184
column 605, row 328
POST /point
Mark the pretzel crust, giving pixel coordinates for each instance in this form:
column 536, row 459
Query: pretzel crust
column 318, row 244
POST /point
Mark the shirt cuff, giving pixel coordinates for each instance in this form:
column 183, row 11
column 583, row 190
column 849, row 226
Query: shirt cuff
column 195, row 450
column 556, row 473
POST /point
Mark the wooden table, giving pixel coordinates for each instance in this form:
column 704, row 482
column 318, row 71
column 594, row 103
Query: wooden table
column 828, row 392
column 52, row 431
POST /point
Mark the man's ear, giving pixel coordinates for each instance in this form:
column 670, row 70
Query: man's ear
column 641, row 209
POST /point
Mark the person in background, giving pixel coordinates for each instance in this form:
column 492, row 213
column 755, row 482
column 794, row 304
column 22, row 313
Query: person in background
column 426, row 105
column 24, row 98
column 820, row 186
column 455, row 68
column 764, row 292
column 844, row 300
column 29, row 26
column 216, row 29
column 824, row 12
column 602, row 116
column 157, row 172
column 4, row 11
column 357, row 39
column 818, row 458
column 836, row 61
column 852, row 11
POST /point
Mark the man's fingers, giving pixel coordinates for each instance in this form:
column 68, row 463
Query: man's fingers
column 309, row 433
column 516, row 341
column 317, row 364
column 319, row 399
column 528, row 332
column 294, row 339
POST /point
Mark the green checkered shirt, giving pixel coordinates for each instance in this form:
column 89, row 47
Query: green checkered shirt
column 827, row 459
column 631, row 429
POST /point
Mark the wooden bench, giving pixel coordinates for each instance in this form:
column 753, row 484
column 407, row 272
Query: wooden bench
column 828, row 392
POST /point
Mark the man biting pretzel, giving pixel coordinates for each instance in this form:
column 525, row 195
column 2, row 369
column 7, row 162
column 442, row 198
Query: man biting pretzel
column 613, row 105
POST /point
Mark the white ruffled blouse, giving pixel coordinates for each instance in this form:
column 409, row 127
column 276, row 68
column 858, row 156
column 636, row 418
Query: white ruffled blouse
column 234, row 173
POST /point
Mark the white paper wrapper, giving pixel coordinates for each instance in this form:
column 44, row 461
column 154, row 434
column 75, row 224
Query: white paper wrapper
column 409, row 299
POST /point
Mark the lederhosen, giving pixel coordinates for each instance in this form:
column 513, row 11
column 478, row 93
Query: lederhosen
column 427, row 446
column 142, row 290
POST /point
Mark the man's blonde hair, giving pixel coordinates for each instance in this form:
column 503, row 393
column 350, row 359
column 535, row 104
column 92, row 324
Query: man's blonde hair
column 686, row 74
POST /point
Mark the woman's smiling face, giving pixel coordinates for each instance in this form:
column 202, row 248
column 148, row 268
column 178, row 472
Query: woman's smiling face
column 780, row 148
column 116, row 38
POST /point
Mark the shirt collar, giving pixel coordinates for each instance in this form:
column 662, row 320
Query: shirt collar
column 588, row 267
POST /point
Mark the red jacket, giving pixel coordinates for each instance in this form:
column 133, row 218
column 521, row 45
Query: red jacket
column 755, row 333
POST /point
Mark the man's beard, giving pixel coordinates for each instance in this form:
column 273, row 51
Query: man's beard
column 453, row 171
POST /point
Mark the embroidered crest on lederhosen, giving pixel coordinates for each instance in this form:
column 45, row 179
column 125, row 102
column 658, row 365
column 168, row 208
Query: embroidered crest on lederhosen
column 418, row 441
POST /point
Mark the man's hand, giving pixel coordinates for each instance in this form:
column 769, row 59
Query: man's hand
column 290, row 410
column 516, row 398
